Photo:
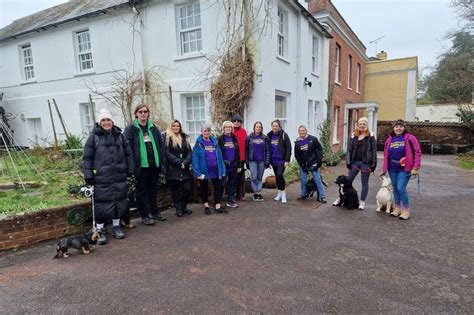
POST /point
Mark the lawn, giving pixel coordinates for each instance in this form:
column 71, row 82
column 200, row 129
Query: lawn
column 466, row 161
column 56, row 172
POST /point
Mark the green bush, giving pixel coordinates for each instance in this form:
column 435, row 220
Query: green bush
column 73, row 142
column 292, row 172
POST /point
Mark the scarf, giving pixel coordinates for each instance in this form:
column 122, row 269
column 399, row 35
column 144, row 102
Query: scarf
column 142, row 146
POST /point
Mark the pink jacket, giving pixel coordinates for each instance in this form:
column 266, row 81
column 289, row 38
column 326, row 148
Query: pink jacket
column 412, row 161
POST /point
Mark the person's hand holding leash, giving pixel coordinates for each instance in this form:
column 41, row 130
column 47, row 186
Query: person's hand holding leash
column 414, row 172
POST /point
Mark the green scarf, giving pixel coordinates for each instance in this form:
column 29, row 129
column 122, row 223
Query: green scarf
column 142, row 146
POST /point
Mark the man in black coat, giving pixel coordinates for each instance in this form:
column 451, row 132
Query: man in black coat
column 309, row 155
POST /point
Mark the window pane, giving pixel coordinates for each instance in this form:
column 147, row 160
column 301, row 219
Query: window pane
column 189, row 114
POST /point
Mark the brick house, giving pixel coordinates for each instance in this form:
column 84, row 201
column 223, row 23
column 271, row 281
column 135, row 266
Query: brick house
column 347, row 60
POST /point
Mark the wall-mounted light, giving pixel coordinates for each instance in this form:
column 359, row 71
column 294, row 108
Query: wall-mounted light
column 307, row 83
column 259, row 76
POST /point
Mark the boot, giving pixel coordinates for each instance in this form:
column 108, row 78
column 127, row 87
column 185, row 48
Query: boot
column 283, row 197
column 396, row 212
column 179, row 210
column 405, row 215
column 102, row 239
column 185, row 209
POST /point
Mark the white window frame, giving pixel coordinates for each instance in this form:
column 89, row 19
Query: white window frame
column 26, row 55
column 337, row 64
column 335, row 126
column 349, row 72
column 315, row 56
column 84, row 54
column 192, row 16
column 282, row 36
column 283, row 118
column 358, row 78
column 87, row 117
column 195, row 105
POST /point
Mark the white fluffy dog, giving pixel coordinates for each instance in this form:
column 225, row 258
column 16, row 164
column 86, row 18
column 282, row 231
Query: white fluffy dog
column 385, row 195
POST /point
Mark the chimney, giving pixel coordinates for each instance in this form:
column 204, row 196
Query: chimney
column 382, row 55
column 315, row 6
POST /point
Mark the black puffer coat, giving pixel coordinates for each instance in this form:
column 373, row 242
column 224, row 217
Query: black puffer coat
column 175, row 156
column 132, row 134
column 107, row 161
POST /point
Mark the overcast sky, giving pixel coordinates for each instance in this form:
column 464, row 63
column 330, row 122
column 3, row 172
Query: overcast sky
column 410, row 27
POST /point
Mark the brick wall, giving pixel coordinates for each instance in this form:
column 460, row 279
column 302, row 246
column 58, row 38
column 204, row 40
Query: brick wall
column 434, row 137
column 32, row 228
column 341, row 93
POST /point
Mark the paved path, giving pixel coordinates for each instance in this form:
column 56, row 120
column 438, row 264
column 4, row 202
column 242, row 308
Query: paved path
column 270, row 258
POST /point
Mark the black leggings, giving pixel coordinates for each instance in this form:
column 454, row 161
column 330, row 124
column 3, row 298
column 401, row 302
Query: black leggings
column 180, row 191
column 280, row 179
column 218, row 190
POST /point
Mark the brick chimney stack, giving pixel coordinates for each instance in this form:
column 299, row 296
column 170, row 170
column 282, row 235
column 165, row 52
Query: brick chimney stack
column 318, row 5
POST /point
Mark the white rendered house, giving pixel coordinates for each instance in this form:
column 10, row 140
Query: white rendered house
column 62, row 51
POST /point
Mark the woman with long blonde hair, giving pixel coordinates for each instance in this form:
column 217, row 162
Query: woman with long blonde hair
column 179, row 156
column 361, row 156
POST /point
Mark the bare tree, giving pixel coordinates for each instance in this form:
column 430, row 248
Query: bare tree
column 129, row 88
column 465, row 11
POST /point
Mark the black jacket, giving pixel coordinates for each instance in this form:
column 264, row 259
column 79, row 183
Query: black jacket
column 107, row 161
column 249, row 149
column 132, row 134
column 237, row 162
column 284, row 144
column 370, row 158
column 176, row 156
column 314, row 157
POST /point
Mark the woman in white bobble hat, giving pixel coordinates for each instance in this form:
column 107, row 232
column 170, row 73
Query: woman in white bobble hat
column 361, row 157
column 107, row 162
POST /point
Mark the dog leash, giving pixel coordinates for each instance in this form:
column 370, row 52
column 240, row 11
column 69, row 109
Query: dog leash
column 418, row 181
column 89, row 192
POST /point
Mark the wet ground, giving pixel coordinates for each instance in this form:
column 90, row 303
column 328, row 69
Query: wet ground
column 300, row 257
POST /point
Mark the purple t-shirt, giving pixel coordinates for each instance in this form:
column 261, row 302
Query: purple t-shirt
column 211, row 159
column 396, row 151
column 229, row 152
column 303, row 145
column 258, row 145
column 276, row 154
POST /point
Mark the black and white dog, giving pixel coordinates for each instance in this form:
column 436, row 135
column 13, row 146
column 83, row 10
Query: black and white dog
column 347, row 194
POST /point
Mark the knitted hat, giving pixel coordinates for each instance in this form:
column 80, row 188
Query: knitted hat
column 399, row 122
column 236, row 117
column 104, row 114
column 363, row 119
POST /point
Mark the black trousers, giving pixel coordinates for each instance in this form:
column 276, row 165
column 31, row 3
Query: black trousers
column 146, row 191
column 218, row 190
column 180, row 192
column 240, row 183
column 280, row 179
column 230, row 186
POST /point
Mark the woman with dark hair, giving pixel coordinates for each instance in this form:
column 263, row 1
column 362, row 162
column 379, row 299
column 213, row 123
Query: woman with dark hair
column 179, row 156
column 146, row 142
column 208, row 164
column 258, row 158
column 107, row 162
column 280, row 157
column 361, row 157
column 402, row 159
column 229, row 146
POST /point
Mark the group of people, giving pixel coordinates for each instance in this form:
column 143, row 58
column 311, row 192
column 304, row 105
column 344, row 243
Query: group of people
column 111, row 157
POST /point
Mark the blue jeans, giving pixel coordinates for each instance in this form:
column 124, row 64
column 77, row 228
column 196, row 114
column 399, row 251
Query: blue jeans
column 356, row 167
column 400, row 182
column 256, row 174
column 317, row 180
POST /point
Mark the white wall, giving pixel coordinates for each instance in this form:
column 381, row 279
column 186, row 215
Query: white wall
column 437, row 112
column 157, row 44
column 57, row 75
